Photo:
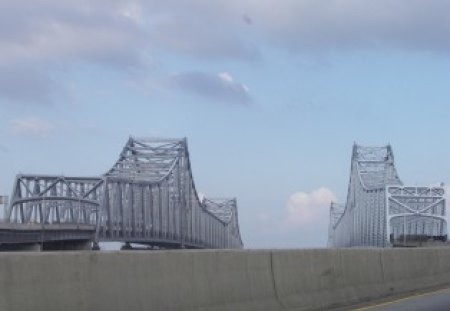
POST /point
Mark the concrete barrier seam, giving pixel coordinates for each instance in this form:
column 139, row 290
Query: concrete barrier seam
column 382, row 268
column 274, row 284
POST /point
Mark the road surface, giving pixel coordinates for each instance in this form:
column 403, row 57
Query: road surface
column 434, row 301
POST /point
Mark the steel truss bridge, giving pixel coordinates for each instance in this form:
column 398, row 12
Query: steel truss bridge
column 147, row 197
column 380, row 211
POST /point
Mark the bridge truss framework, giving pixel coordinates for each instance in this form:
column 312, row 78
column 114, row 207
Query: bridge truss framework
column 380, row 211
column 147, row 197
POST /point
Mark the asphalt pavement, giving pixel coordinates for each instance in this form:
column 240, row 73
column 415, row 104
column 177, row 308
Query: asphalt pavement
column 434, row 301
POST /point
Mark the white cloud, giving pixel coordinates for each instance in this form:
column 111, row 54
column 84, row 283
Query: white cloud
column 302, row 223
column 53, row 31
column 32, row 127
column 132, row 11
column 221, row 29
column 313, row 26
column 226, row 77
column 309, row 209
column 43, row 36
column 213, row 30
column 221, row 87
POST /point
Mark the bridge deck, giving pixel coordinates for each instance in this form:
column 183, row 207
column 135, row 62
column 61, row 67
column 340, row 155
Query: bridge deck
column 36, row 233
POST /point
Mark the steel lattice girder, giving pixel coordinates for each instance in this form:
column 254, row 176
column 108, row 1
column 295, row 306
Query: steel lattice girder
column 148, row 196
column 380, row 210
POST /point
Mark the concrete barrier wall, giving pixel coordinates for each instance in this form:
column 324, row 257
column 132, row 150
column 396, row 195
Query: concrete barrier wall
column 214, row 280
column 320, row 279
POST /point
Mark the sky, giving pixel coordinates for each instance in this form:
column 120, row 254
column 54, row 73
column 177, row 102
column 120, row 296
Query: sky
column 271, row 95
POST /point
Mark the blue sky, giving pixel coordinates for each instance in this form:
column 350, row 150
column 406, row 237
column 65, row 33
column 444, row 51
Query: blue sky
column 270, row 94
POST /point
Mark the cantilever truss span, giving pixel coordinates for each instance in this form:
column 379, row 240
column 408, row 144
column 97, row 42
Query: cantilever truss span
column 380, row 211
column 147, row 197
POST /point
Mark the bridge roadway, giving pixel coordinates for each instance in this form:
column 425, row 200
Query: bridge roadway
column 438, row 300
column 49, row 236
